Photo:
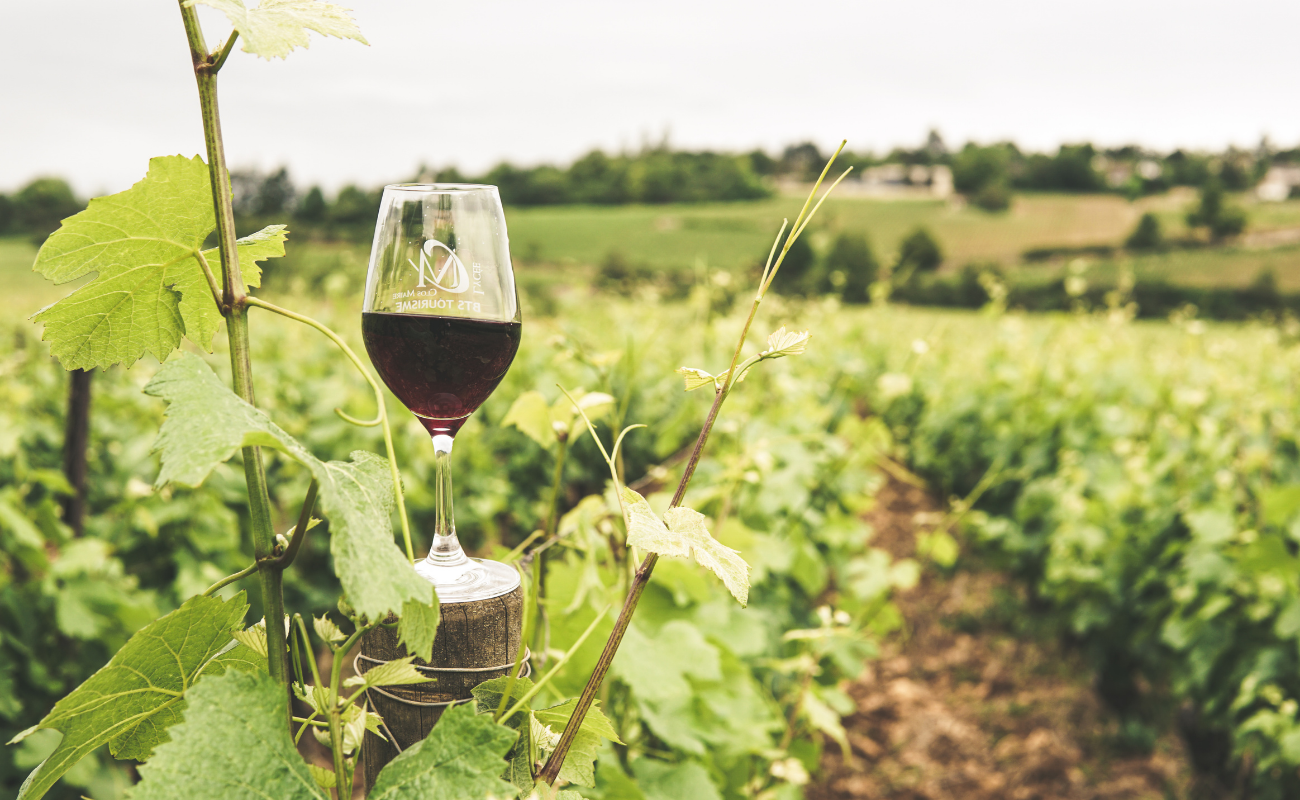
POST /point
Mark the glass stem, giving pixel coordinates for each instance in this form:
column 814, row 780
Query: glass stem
column 446, row 550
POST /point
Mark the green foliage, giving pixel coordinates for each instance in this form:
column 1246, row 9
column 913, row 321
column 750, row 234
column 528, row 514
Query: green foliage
column 1143, row 487
column 1216, row 214
column 462, row 757
column 206, row 424
column 39, row 207
column 1147, row 235
column 131, row 702
column 849, row 269
column 144, row 245
column 793, row 277
column 539, row 730
column 682, row 534
column 918, row 252
column 233, row 745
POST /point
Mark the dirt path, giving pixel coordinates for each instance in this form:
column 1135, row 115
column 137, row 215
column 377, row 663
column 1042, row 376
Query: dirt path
column 960, row 708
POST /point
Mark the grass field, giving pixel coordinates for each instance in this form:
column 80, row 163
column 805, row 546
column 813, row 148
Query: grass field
column 735, row 234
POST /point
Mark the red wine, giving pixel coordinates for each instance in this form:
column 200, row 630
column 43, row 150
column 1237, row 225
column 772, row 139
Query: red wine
column 441, row 368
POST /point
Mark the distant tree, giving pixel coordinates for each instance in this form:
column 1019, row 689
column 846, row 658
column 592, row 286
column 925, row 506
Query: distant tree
column 7, row 214
column 983, row 174
column 313, row 208
column 802, row 161
column 450, row 175
column 761, row 163
column 275, row 194
column 1147, row 235
column 354, row 206
column 1073, row 169
column 244, row 186
column 918, row 252
column 794, row 275
column 1214, row 213
column 848, row 269
column 41, row 205
column 1234, row 174
column 993, row 197
column 1186, row 169
column 597, row 178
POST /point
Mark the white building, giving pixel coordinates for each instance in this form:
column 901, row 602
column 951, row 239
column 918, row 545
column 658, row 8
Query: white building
column 1278, row 183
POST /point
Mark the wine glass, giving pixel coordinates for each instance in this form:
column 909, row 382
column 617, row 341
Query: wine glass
column 441, row 323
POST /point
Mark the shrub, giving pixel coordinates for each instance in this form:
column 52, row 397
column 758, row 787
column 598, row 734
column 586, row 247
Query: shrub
column 848, row 269
column 794, row 276
column 1214, row 213
column 994, row 197
column 919, row 252
column 1147, row 235
column 42, row 204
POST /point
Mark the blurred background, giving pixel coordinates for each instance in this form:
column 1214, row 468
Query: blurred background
column 1043, row 452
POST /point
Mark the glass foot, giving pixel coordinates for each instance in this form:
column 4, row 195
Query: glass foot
column 468, row 580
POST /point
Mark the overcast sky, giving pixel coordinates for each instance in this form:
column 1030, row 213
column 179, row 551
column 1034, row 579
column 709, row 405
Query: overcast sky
column 92, row 89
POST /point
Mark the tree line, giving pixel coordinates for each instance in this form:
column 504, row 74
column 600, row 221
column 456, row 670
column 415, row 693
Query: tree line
column 986, row 174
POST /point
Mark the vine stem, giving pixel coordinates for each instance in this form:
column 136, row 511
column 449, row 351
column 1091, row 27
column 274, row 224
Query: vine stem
column 551, row 771
column 233, row 292
column 382, row 416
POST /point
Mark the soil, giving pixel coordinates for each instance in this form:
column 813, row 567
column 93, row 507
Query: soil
column 962, row 706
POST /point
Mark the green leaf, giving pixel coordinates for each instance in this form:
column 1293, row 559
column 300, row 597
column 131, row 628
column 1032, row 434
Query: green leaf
column 325, row 778
column 275, row 27
column 662, row 781
column 786, row 343
column 523, row 755
column 825, row 719
column 462, row 758
column 253, row 638
column 542, row 422
column 579, row 765
column 233, row 745
column 400, row 672
column 683, row 534
column 327, row 630
column 140, row 243
column 656, row 668
column 696, row 378
column 149, row 290
column 139, row 694
column 202, row 318
column 531, row 747
column 531, row 414
column 206, row 424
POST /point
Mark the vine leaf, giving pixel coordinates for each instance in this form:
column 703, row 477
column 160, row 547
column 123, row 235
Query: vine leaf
column 539, row 731
column 786, row 343
column 140, row 242
column 580, row 764
column 682, row 533
column 202, row 319
column 234, row 744
column 462, row 757
column 149, row 290
column 327, row 630
column 275, row 27
column 543, row 422
column 696, row 378
column 207, row 423
column 400, row 672
column 142, row 691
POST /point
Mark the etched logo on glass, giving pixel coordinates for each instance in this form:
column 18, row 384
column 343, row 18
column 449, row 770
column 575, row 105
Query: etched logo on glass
column 449, row 276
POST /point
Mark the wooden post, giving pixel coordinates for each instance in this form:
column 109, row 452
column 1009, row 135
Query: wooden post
column 76, row 439
column 476, row 641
